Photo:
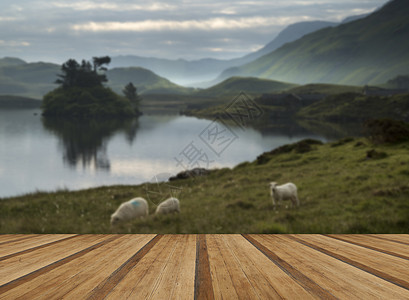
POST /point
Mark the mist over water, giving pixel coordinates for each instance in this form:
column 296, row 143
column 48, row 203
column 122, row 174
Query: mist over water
column 38, row 154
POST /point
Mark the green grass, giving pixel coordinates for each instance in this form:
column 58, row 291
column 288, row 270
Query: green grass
column 360, row 52
column 327, row 89
column 352, row 106
column 340, row 189
column 249, row 85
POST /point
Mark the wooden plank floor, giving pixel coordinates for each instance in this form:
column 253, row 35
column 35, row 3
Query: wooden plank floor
column 248, row 266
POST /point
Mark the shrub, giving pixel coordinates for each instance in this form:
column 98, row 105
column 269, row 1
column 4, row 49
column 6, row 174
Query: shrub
column 382, row 131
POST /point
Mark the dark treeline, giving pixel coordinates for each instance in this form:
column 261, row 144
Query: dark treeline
column 82, row 94
column 84, row 74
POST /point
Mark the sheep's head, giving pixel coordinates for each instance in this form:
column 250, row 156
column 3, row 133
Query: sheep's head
column 114, row 220
column 273, row 187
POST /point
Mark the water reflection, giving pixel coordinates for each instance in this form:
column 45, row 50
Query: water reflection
column 84, row 142
column 269, row 124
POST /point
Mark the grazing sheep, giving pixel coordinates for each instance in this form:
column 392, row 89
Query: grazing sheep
column 134, row 208
column 284, row 192
column 168, row 206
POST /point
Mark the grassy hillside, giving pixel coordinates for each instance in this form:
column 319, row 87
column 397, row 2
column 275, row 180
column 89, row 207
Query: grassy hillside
column 367, row 51
column 349, row 186
column 351, row 106
column 146, row 81
column 250, row 85
column 27, row 79
column 327, row 89
column 34, row 80
column 11, row 61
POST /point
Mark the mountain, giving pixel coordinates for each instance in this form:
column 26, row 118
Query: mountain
column 181, row 71
column 11, row 61
column 145, row 80
column 366, row 51
column 19, row 78
column 26, row 79
column 188, row 72
column 249, row 85
column 289, row 34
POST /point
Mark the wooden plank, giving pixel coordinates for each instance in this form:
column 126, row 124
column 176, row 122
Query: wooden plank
column 24, row 267
column 314, row 290
column 105, row 287
column 397, row 238
column 183, row 266
column 177, row 279
column 203, row 279
column 28, row 245
column 228, row 282
column 240, row 270
column 339, row 278
column 139, row 281
column 81, row 275
column 387, row 267
column 7, row 238
column 365, row 241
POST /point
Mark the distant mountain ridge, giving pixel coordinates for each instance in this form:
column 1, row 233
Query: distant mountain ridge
column 208, row 69
column 367, row 51
column 20, row 78
column 250, row 85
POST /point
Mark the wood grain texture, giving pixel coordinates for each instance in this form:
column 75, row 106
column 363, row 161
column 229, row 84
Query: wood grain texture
column 387, row 267
column 21, row 246
column 203, row 280
column 204, row 266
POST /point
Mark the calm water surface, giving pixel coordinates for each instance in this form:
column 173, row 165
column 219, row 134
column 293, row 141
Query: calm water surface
column 47, row 155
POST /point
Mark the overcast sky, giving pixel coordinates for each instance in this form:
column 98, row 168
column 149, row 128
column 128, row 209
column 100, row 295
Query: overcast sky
column 55, row 30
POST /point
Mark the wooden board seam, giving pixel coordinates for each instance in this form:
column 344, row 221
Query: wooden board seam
column 384, row 276
column 308, row 284
column 203, row 280
column 390, row 240
column 106, row 286
column 30, row 276
column 367, row 246
column 36, row 248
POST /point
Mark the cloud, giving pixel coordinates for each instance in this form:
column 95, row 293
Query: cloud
column 91, row 5
column 206, row 25
column 7, row 19
column 14, row 43
column 57, row 29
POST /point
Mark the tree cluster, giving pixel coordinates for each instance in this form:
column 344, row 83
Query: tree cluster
column 83, row 75
column 130, row 92
column 82, row 93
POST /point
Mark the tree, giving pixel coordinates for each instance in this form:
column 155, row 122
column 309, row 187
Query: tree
column 84, row 75
column 130, row 92
column 99, row 61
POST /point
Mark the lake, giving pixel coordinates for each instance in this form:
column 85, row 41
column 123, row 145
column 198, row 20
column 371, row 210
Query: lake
column 46, row 155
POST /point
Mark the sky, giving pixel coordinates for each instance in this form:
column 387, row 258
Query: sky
column 55, row 30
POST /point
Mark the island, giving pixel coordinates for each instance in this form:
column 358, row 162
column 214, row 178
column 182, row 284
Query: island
column 81, row 93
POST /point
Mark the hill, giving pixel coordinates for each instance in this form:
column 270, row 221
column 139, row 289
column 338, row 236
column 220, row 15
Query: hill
column 327, row 89
column 201, row 72
column 34, row 80
column 249, row 85
column 352, row 106
column 366, row 51
column 145, row 80
column 348, row 186
column 289, row 34
column 11, row 61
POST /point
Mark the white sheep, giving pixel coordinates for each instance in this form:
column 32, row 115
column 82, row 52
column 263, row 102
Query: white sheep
column 134, row 208
column 168, row 206
column 284, row 192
